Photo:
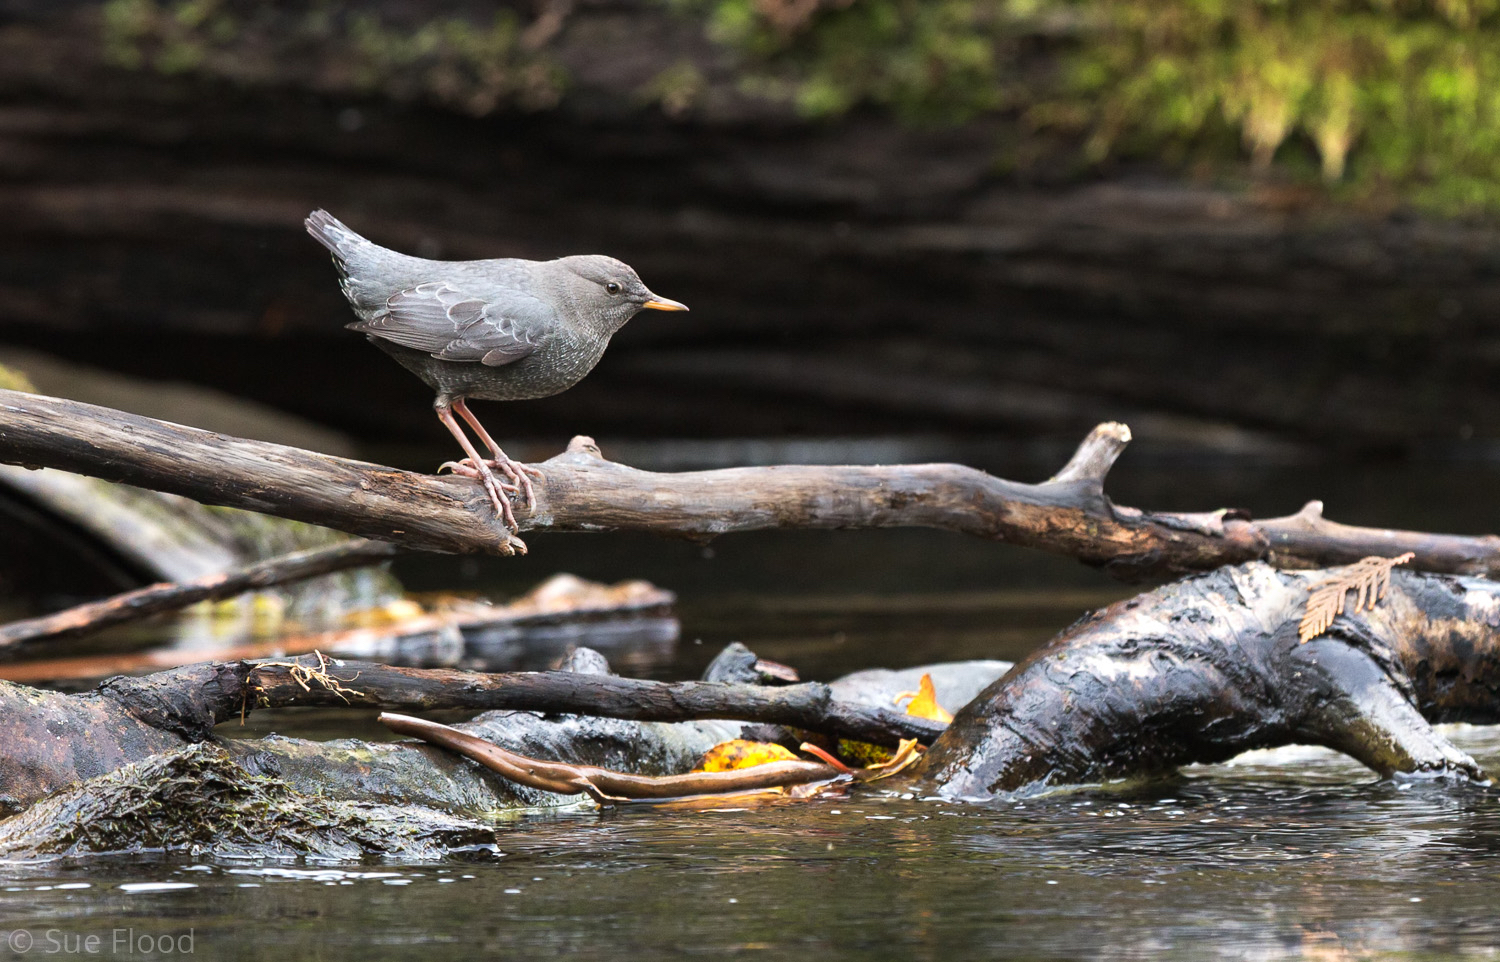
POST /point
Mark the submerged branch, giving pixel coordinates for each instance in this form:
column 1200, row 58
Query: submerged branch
column 602, row 784
column 581, row 491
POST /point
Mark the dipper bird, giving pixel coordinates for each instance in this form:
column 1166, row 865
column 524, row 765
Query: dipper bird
column 498, row 330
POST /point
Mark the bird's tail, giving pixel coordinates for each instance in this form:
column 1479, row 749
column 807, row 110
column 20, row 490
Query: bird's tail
column 328, row 231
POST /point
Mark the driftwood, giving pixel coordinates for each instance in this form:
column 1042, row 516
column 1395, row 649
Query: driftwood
column 1196, row 671
column 602, row 784
column 347, row 798
column 581, row 491
column 808, row 705
column 455, row 629
column 170, row 596
column 48, row 735
column 1212, row 666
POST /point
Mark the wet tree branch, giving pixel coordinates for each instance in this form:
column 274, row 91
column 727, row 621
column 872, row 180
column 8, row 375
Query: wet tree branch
column 1069, row 514
column 191, row 700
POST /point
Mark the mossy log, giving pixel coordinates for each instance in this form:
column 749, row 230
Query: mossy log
column 280, row 796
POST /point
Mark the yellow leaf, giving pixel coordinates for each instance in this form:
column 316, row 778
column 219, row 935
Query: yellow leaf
column 390, row 614
column 740, row 753
column 905, row 756
column 924, row 702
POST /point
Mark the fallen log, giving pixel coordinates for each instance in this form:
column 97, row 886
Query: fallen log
column 54, row 740
column 172, row 596
column 345, row 799
column 453, row 629
column 581, row 491
column 1211, row 666
column 312, row 681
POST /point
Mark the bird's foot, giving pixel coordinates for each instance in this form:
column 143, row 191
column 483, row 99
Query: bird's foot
column 518, row 473
column 493, row 486
column 521, row 475
column 466, row 469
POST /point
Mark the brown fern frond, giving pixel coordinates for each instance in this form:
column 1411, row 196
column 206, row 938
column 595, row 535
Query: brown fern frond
column 1368, row 576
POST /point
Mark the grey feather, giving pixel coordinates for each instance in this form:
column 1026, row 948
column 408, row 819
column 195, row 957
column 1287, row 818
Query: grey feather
column 453, row 325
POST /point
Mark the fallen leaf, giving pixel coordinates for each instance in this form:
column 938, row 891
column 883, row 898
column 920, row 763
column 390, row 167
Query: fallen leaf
column 924, row 702
column 742, row 753
column 907, row 754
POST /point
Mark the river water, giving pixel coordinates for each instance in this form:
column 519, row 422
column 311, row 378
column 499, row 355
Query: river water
column 1293, row 853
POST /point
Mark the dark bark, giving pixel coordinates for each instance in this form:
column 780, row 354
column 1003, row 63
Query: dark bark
column 807, row 706
column 580, row 491
column 17, row 636
column 1211, row 666
column 53, row 740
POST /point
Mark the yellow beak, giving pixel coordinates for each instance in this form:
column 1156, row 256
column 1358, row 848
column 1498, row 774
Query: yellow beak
column 662, row 304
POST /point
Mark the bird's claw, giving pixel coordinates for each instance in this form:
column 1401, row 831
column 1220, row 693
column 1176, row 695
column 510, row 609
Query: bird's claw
column 515, row 471
column 493, row 486
column 466, row 469
column 519, row 474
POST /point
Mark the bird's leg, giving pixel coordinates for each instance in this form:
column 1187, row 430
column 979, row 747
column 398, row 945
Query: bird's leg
column 514, row 470
column 485, row 476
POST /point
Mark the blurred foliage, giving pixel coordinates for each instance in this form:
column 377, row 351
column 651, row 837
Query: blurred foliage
column 1374, row 96
column 13, row 380
column 450, row 61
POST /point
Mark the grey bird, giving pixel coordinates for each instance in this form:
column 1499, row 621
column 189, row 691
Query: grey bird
column 498, row 330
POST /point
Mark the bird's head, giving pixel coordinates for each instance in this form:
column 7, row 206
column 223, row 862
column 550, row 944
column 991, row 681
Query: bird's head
column 609, row 292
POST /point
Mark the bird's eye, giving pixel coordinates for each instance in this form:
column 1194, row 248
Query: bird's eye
column 613, row 288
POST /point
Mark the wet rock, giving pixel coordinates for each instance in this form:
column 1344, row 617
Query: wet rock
column 198, row 799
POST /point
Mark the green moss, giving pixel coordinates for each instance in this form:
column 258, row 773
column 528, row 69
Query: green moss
column 197, row 799
column 1373, row 98
column 1370, row 96
column 451, row 61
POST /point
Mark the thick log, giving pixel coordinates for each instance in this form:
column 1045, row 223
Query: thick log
column 55, row 740
column 1208, row 667
column 172, row 596
column 581, row 491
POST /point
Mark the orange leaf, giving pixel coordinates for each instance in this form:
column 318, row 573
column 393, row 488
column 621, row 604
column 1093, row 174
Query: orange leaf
column 924, row 702
column 739, row 753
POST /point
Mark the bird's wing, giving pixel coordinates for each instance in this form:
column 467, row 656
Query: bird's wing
column 452, row 325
